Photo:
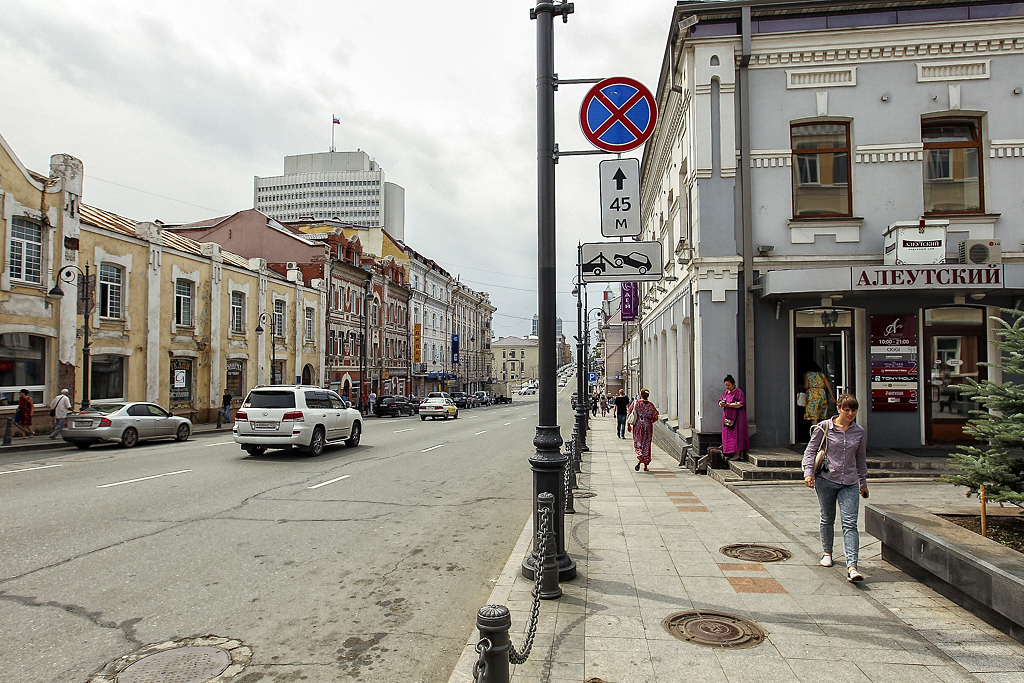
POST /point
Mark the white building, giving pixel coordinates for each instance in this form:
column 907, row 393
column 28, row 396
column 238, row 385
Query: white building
column 348, row 186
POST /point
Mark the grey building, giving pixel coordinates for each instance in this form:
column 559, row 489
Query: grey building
column 816, row 171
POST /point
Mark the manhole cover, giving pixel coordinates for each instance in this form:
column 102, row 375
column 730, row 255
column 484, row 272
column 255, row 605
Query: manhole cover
column 584, row 494
column 192, row 664
column 756, row 553
column 714, row 629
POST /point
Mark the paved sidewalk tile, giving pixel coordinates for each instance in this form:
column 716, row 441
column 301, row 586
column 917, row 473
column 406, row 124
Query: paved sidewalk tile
column 647, row 545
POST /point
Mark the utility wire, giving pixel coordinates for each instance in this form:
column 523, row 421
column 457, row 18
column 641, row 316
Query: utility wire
column 161, row 196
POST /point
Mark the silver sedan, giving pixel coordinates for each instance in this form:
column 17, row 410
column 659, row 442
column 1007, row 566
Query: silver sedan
column 127, row 423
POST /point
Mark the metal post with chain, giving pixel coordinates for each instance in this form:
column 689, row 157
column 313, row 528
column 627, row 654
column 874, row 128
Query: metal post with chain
column 570, row 508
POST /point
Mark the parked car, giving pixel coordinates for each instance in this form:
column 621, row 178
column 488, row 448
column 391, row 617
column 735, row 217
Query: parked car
column 438, row 408
column 303, row 416
column 392, row 406
column 414, row 404
column 482, row 398
column 127, row 423
column 462, row 399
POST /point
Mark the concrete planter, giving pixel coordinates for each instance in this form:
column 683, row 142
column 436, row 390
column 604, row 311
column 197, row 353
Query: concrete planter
column 979, row 574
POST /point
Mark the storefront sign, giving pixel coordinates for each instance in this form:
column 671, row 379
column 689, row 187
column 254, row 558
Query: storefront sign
column 417, row 343
column 952, row 276
column 236, row 377
column 181, row 383
column 630, row 301
column 894, row 363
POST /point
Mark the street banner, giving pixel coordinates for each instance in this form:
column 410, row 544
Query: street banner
column 630, row 301
column 417, row 341
column 455, row 349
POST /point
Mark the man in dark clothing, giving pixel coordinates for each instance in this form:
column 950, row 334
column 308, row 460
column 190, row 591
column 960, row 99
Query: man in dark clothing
column 621, row 410
column 226, row 406
column 594, row 401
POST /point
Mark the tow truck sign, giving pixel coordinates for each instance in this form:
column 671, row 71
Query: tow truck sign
column 627, row 261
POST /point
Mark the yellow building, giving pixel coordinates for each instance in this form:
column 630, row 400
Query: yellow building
column 514, row 360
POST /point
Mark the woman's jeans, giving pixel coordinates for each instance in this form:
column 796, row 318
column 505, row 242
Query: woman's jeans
column 829, row 493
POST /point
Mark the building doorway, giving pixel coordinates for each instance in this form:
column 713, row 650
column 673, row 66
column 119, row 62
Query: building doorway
column 823, row 347
column 955, row 345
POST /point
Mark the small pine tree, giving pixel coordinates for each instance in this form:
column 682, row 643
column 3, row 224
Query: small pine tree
column 990, row 473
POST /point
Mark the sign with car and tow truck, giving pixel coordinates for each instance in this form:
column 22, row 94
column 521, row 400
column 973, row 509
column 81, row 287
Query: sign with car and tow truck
column 627, row 261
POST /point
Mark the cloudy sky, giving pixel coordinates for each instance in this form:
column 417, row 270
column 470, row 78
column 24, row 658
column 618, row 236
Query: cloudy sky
column 173, row 107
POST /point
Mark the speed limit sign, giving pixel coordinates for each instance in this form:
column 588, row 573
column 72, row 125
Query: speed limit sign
column 620, row 197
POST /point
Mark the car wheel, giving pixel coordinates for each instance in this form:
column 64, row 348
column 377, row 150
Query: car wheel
column 643, row 271
column 130, row 437
column 183, row 433
column 353, row 438
column 456, row 415
column 255, row 450
column 617, row 261
column 423, row 417
column 316, row 443
column 82, row 445
column 446, row 415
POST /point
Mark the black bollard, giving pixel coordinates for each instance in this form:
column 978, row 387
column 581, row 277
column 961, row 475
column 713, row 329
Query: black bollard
column 549, row 588
column 493, row 622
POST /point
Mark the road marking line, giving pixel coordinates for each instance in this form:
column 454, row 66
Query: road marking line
column 440, row 445
column 29, row 469
column 479, row 433
column 219, row 443
column 506, row 424
column 399, row 431
column 473, row 417
column 525, row 418
column 316, row 486
column 132, row 481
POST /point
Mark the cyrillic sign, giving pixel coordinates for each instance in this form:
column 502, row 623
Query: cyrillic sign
column 952, row 276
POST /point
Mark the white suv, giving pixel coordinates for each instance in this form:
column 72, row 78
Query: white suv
column 303, row 416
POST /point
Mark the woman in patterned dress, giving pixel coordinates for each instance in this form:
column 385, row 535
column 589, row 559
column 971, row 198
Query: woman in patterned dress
column 643, row 429
column 816, row 384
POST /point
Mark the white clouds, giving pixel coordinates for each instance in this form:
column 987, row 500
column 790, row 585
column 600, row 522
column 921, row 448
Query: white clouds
column 192, row 99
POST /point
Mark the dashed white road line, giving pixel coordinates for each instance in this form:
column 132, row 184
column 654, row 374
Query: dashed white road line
column 506, row 424
column 219, row 443
column 29, row 469
column 132, row 481
column 473, row 417
column 399, row 431
column 440, row 445
column 316, row 486
column 479, row 433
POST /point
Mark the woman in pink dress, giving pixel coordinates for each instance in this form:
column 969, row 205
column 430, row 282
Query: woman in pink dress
column 643, row 429
column 734, row 420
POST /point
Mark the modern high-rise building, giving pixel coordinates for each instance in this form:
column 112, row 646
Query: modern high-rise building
column 348, row 186
column 536, row 326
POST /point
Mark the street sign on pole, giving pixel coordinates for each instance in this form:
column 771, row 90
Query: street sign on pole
column 627, row 261
column 618, row 114
column 592, row 377
column 620, row 197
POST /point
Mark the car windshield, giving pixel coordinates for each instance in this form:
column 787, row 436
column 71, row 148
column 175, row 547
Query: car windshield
column 104, row 408
column 270, row 399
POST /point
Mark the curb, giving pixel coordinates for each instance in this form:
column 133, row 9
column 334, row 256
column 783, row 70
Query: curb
column 42, row 443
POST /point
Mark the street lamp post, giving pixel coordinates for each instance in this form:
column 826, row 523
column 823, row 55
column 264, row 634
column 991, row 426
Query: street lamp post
column 581, row 380
column 263, row 319
column 67, row 274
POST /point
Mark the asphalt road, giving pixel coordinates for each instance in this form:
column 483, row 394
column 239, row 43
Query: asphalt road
column 362, row 564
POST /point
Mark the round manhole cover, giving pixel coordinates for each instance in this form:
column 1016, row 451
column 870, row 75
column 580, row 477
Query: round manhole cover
column 714, row 629
column 584, row 494
column 192, row 664
column 756, row 553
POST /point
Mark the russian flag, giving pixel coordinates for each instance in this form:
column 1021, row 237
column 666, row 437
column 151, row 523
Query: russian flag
column 337, row 121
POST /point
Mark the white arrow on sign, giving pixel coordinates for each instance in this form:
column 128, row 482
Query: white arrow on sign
column 627, row 261
column 620, row 197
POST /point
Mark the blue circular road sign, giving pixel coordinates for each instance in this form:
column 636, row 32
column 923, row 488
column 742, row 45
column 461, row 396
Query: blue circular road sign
column 618, row 114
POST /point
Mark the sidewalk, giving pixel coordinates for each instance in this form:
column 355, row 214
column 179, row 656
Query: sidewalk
column 647, row 546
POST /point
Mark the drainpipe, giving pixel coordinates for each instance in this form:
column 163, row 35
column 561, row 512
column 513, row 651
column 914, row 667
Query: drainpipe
column 747, row 361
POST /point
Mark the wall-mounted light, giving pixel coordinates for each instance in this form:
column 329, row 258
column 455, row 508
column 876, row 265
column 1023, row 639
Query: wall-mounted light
column 886, row 96
column 1016, row 91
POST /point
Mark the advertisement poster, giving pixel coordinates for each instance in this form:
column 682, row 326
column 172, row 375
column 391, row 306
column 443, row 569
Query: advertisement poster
column 417, row 343
column 894, row 363
column 455, row 349
column 630, row 301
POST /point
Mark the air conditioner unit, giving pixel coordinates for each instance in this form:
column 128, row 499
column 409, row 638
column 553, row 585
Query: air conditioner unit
column 292, row 265
column 979, row 252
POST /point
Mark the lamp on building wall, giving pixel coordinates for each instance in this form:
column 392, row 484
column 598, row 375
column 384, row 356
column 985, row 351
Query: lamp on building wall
column 273, row 343
column 67, row 274
column 830, row 318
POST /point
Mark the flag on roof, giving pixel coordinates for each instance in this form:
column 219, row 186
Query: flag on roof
column 337, row 120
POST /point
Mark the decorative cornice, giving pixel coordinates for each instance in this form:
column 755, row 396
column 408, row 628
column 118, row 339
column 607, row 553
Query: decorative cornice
column 821, row 77
column 997, row 149
column 770, row 158
column 899, row 151
column 961, row 70
column 896, row 50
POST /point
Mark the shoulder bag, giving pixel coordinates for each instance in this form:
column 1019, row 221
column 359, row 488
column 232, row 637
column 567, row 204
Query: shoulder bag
column 821, row 459
column 801, row 399
column 631, row 418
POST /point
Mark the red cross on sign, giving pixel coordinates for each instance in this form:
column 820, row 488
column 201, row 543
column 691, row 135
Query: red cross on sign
column 618, row 114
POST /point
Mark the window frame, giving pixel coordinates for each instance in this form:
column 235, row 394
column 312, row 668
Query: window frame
column 278, row 318
column 236, row 314
column 310, row 324
column 105, row 289
column 179, row 301
column 22, row 222
column 823, row 150
column 978, row 144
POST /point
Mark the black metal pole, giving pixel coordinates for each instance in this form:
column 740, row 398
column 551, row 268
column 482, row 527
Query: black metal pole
column 86, row 367
column 581, row 380
column 548, row 461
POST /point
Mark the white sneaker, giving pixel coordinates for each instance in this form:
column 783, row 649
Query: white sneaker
column 854, row 575
column 826, row 560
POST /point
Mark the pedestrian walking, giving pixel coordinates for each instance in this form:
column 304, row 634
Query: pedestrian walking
column 735, row 440
column 843, row 470
column 594, row 404
column 372, row 403
column 23, row 415
column 60, row 406
column 621, row 411
column 362, row 403
column 226, row 405
column 816, row 385
column 604, row 405
column 643, row 428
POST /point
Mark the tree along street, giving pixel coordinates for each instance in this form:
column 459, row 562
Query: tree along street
column 365, row 563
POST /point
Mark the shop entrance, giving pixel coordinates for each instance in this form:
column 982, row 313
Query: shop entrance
column 823, row 348
column 954, row 347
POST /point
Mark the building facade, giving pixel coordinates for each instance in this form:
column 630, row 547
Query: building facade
column 347, row 186
column 807, row 159
column 515, row 360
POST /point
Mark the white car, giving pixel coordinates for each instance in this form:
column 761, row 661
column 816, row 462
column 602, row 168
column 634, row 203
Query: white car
column 438, row 408
column 303, row 416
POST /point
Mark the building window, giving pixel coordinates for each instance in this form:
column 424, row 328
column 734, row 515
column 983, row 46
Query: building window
column 237, row 312
column 107, row 377
column 110, row 292
column 183, row 303
column 279, row 307
column 309, row 324
column 22, row 366
column 952, row 166
column 821, row 169
column 26, row 255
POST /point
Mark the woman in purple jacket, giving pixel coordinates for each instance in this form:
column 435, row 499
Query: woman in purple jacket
column 845, row 470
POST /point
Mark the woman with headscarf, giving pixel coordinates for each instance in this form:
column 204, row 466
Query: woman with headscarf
column 735, row 440
column 643, row 428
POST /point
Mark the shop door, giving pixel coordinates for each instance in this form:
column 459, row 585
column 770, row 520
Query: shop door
column 954, row 357
column 831, row 354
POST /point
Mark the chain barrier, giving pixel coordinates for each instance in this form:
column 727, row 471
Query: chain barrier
column 570, row 506
column 544, row 546
column 480, row 665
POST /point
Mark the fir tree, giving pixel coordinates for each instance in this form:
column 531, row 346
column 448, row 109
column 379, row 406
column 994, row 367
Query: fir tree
column 990, row 473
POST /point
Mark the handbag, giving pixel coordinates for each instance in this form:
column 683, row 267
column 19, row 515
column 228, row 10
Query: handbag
column 728, row 422
column 631, row 418
column 801, row 399
column 53, row 412
column 820, row 459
